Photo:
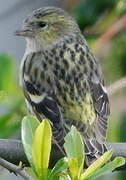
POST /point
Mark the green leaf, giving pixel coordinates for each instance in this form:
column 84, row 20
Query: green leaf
column 9, row 131
column 69, row 145
column 74, row 148
column 41, row 148
column 3, row 94
column 7, row 77
column 97, row 164
column 109, row 167
column 29, row 125
column 5, row 119
column 60, row 166
column 31, row 172
column 8, row 124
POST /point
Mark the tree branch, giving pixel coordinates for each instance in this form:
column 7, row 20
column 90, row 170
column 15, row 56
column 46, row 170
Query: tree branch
column 112, row 31
column 12, row 151
column 116, row 86
column 15, row 169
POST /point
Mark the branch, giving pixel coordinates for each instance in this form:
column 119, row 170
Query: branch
column 15, row 169
column 12, row 151
column 113, row 88
column 112, row 31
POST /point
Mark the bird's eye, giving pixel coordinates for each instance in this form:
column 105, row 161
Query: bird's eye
column 42, row 24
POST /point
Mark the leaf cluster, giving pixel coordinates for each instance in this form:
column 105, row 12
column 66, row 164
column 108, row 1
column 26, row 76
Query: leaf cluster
column 37, row 139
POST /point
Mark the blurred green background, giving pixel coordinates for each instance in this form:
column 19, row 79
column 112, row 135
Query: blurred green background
column 103, row 24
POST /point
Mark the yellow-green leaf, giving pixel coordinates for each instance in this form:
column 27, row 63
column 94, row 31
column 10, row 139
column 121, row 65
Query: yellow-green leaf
column 80, row 168
column 3, row 94
column 97, row 164
column 107, row 168
column 41, row 148
column 73, row 167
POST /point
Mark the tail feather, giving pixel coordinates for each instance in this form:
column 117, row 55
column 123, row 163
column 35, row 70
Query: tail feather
column 101, row 129
column 58, row 138
column 93, row 150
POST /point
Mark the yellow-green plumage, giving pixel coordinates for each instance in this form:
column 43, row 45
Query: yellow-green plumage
column 62, row 80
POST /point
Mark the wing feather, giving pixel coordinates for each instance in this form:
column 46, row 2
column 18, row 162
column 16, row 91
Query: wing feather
column 102, row 108
column 47, row 107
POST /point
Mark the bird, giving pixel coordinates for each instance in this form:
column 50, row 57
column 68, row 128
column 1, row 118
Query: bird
column 62, row 80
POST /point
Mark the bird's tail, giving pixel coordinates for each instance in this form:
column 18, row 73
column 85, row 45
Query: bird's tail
column 93, row 150
column 58, row 138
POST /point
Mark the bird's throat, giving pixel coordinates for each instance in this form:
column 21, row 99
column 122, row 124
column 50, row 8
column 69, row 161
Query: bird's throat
column 32, row 46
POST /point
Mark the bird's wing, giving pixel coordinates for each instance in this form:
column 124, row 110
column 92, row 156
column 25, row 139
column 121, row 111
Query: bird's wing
column 102, row 108
column 48, row 107
column 44, row 102
column 95, row 147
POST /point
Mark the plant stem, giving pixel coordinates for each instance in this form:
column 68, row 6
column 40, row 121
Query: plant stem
column 15, row 169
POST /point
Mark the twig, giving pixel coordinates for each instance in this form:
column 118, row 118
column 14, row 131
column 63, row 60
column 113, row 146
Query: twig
column 15, row 169
column 12, row 151
column 116, row 86
column 70, row 3
column 113, row 30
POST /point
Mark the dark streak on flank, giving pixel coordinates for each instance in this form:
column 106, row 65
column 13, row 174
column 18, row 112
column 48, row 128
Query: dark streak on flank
column 31, row 89
column 30, row 64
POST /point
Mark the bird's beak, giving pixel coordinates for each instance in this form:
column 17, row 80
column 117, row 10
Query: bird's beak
column 24, row 32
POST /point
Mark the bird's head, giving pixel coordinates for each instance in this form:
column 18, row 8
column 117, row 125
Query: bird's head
column 48, row 25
